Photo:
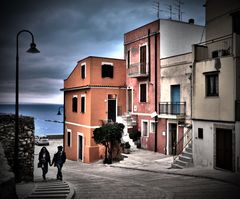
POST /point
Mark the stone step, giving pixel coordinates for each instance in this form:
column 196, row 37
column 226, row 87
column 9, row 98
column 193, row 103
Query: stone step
column 184, row 158
column 176, row 166
column 181, row 163
column 189, row 150
column 185, row 153
column 48, row 196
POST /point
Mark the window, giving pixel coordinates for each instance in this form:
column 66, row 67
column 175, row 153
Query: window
column 74, row 104
column 143, row 59
column 143, row 92
column 212, row 84
column 83, row 102
column 200, row 133
column 107, row 70
column 152, row 127
column 83, row 71
column 144, row 128
column 69, row 135
column 128, row 58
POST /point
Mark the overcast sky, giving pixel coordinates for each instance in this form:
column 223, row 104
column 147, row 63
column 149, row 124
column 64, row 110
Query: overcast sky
column 66, row 31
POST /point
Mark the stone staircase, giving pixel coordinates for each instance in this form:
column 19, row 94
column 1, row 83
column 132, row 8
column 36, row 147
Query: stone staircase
column 185, row 159
column 128, row 122
column 52, row 189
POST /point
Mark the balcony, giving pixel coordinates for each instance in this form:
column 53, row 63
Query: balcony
column 172, row 110
column 138, row 70
column 237, row 110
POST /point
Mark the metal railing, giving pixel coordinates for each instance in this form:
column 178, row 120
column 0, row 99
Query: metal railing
column 170, row 108
column 180, row 146
column 138, row 69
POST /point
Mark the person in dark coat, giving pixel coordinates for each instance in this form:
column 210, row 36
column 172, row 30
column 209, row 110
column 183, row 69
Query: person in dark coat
column 44, row 160
column 58, row 161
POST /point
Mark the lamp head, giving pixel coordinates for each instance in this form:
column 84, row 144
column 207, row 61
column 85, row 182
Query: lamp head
column 33, row 48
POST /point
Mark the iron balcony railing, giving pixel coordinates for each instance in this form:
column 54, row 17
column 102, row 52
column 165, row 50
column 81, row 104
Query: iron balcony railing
column 138, row 70
column 237, row 110
column 172, row 108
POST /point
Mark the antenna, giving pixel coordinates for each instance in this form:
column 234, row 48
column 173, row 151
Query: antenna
column 156, row 7
column 178, row 8
column 171, row 13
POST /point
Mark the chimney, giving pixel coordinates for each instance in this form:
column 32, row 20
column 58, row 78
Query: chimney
column 191, row 21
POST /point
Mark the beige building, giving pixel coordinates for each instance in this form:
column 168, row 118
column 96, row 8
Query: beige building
column 216, row 89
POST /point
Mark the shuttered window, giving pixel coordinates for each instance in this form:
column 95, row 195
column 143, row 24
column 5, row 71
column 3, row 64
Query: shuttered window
column 107, row 71
column 83, row 71
column 74, row 104
column 143, row 92
column 83, row 101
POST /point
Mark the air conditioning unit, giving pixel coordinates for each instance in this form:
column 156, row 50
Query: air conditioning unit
column 220, row 53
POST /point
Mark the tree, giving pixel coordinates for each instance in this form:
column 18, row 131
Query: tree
column 109, row 135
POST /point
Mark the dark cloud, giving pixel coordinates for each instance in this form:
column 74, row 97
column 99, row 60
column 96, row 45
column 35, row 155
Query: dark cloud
column 65, row 32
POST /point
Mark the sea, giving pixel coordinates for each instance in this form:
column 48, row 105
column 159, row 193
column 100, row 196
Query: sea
column 46, row 120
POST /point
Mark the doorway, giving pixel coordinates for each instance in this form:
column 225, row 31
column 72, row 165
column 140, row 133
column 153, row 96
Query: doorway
column 224, row 153
column 112, row 107
column 172, row 138
column 129, row 100
column 80, row 147
column 175, row 99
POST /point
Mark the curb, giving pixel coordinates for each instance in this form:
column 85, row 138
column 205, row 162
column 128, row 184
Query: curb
column 180, row 174
column 72, row 191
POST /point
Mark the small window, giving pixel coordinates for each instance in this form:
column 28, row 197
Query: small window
column 83, row 71
column 152, row 127
column 74, row 104
column 83, row 104
column 144, row 128
column 212, row 84
column 69, row 138
column 107, row 70
column 143, row 92
column 200, row 133
column 128, row 58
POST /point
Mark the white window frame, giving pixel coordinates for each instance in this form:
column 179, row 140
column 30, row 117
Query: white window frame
column 85, row 68
column 143, row 121
column 139, row 92
column 69, row 131
column 85, row 104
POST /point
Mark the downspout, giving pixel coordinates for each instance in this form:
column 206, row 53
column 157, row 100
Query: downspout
column 149, row 56
column 156, row 88
column 64, row 120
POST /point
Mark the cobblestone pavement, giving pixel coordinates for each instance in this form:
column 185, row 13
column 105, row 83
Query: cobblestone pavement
column 99, row 181
column 143, row 175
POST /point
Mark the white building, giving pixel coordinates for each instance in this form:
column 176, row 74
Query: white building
column 216, row 89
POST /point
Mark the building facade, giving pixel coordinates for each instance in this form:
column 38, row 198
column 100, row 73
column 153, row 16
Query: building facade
column 146, row 48
column 94, row 93
column 216, row 89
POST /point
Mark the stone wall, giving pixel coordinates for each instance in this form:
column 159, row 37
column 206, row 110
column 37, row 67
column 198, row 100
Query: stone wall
column 25, row 166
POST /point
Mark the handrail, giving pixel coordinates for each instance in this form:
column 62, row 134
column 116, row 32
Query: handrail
column 178, row 143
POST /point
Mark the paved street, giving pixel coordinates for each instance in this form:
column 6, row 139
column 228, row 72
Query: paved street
column 137, row 177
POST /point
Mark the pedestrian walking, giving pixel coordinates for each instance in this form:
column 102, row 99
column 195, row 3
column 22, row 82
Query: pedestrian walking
column 58, row 161
column 44, row 159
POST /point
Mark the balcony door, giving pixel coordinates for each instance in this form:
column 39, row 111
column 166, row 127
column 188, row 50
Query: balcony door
column 143, row 60
column 175, row 99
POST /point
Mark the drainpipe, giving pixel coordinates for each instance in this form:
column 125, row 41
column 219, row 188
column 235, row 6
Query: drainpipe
column 156, row 88
column 64, row 120
column 149, row 56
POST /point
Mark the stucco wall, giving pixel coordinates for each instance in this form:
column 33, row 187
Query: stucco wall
column 177, row 37
column 217, row 107
column 203, row 148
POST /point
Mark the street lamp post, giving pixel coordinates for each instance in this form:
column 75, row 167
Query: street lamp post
column 59, row 113
column 32, row 49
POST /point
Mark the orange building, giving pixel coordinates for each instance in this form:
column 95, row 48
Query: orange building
column 94, row 92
